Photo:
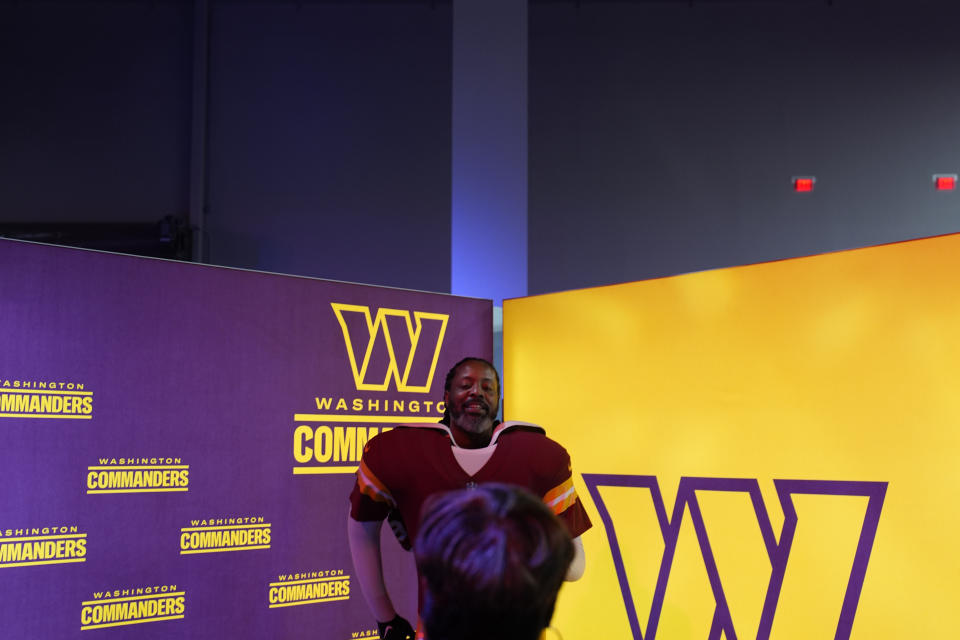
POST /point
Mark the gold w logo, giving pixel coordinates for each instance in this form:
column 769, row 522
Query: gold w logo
column 385, row 351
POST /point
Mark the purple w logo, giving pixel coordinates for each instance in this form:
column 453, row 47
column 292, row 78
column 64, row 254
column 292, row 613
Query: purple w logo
column 777, row 551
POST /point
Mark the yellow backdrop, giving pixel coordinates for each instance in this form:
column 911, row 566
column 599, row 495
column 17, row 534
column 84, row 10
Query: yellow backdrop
column 840, row 370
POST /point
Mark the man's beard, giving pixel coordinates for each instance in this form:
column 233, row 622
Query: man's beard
column 475, row 423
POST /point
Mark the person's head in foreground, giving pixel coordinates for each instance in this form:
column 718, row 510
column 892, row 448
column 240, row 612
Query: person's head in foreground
column 491, row 562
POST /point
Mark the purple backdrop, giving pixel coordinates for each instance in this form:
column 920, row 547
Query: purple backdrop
column 221, row 374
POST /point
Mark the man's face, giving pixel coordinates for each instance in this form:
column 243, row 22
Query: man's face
column 473, row 398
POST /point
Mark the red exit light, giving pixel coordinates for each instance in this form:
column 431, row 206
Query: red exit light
column 803, row 184
column 945, row 181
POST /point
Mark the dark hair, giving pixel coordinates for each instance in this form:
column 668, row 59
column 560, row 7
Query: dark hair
column 491, row 561
column 453, row 372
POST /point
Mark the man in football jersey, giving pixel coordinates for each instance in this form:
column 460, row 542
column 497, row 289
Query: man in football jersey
column 401, row 468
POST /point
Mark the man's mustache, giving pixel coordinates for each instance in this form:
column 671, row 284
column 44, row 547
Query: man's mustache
column 476, row 401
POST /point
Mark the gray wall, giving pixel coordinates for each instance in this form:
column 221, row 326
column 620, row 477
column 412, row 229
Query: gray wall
column 328, row 128
column 330, row 141
column 663, row 135
column 94, row 111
